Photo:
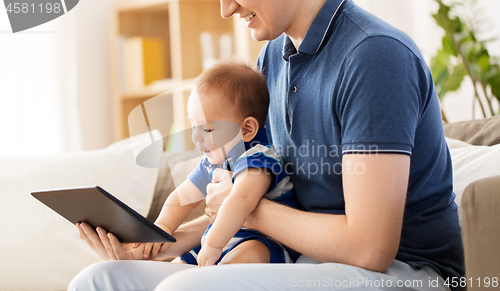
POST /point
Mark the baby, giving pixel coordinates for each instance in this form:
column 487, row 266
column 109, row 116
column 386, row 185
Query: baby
column 227, row 110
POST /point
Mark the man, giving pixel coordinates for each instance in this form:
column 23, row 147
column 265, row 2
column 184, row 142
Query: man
column 356, row 118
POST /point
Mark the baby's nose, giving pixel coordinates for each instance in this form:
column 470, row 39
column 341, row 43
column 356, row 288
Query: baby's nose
column 197, row 135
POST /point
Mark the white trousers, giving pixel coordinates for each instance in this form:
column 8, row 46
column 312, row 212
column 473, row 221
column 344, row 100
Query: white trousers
column 306, row 274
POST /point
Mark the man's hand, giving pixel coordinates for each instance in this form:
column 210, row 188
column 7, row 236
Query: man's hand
column 153, row 249
column 208, row 255
column 217, row 191
column 107, row 246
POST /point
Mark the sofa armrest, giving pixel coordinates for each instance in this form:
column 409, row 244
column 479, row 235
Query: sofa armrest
column 481, row 231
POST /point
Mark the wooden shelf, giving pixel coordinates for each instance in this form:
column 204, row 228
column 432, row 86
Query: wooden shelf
column 176, row 25
column 151, row 91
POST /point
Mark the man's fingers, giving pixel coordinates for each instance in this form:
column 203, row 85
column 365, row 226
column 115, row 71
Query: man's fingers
column 95, row 241
column 154, row 251
column 217, row 176
column 117, row 247
column 107, row 245
column 79, row 230
column 163, row 248
column 147, row 250
column 219, row 186
column 217, row 191
column 212, row 215
column 83, row 236
column 220, row 174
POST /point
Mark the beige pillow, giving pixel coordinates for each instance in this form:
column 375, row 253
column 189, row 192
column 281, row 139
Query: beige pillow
column 476, row 132
column 471, row 163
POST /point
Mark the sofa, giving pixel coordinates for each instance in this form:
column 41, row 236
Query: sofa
column 476, row 170
column 42, row 251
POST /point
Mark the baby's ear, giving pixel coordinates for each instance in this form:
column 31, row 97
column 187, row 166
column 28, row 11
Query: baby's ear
column 249, row 128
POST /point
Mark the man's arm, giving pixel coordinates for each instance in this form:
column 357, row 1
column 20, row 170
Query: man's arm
column 368, row 234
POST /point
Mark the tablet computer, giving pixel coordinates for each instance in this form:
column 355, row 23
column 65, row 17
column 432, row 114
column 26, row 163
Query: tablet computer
column 97, row 207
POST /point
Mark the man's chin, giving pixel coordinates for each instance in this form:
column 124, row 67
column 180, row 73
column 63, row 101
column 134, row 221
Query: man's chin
column 256, row 35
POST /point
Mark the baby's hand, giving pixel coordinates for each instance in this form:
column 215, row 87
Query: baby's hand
column 208, row 255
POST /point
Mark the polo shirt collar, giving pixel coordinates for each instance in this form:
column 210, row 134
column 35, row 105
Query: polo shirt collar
column 317, row 32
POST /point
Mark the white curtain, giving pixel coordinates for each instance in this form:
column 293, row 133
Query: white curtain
column 35, row 90
column 55, row 83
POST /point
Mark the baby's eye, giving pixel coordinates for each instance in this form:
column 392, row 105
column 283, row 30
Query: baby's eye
column 207, row 130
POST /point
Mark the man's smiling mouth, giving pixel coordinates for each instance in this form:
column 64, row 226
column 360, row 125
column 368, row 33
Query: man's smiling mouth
column 250, row 16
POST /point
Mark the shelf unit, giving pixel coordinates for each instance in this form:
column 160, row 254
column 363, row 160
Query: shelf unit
column 177, row 25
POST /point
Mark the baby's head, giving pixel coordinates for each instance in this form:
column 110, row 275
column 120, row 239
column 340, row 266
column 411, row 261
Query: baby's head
column 228, row 104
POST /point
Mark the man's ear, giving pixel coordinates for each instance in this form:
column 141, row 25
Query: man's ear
column 249, row 128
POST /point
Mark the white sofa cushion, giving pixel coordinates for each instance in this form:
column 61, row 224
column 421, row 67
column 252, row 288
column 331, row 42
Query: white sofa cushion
column 471, row 163
column 40, row 249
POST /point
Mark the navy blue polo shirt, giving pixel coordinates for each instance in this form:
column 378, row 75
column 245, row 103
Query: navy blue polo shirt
column 359, row 85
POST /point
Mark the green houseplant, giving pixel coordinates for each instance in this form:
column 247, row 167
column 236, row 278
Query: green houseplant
column 464, row 54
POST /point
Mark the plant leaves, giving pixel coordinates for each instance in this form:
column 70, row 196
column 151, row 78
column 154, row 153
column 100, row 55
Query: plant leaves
column 494, row 81
column 440, row 71
column 461, row 46
column 449, row 46
column 475, row 71
column 456, row 78
column 462, row 36
column 484, row 61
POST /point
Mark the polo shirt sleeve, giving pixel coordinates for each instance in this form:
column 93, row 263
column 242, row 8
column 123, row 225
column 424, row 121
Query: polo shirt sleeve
column 200, row 177
column 380, row 95
column 260, row 157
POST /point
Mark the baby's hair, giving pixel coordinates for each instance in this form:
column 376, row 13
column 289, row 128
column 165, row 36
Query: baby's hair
column 243, row 87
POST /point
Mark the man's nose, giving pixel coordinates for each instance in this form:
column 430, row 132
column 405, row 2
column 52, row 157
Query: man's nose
column 228, row 7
